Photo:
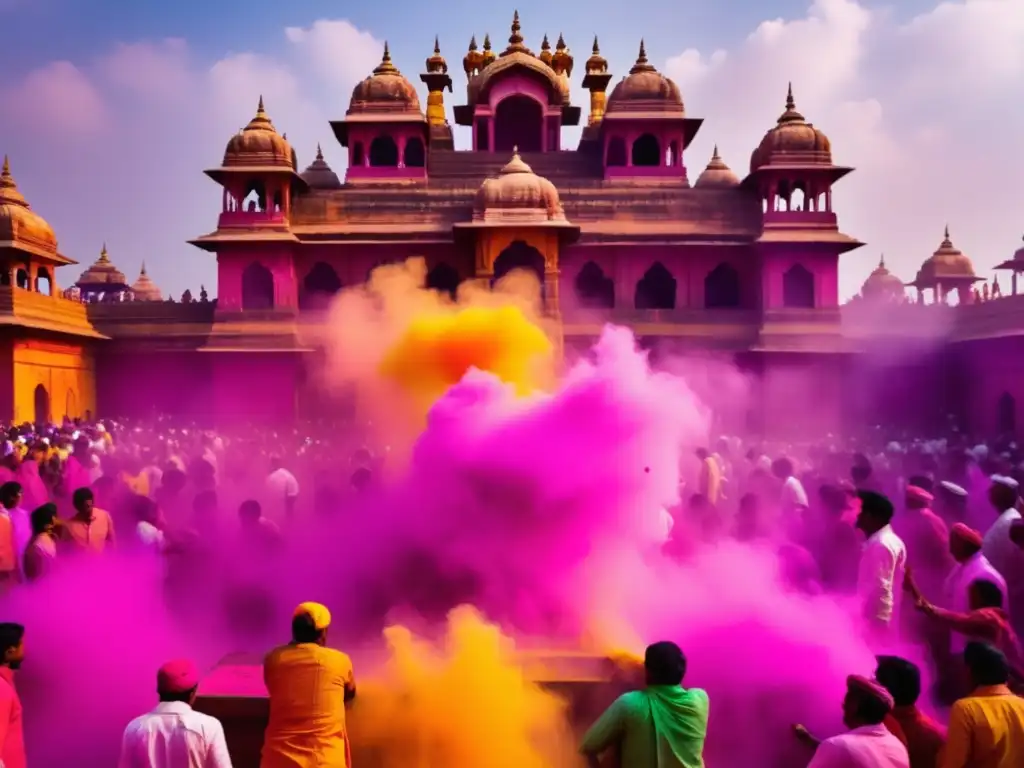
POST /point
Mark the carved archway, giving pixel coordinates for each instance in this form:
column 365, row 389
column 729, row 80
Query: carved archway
column 319, row 285
column 646, row 151
column 257, row 287
column 415, row 153
column 42, row 405
column 594, row 289
column 798, row 288
column 44, row 283
column 656, row 289
column 518, row 122
column 444, row 278
column 1006, row 414
column 520, row 255
column 722, row 288
column 384, row 152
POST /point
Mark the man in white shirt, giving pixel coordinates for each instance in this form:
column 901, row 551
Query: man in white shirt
column 1005, row 556
column 793, row 497
column 883, row 561
column 965, row 545
column 174, row 735
column 868, row 743
column 282, row 488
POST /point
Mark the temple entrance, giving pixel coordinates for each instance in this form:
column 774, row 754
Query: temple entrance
column 520, row 255
column 518, row 122
column 1006, row 414
column 42, row 405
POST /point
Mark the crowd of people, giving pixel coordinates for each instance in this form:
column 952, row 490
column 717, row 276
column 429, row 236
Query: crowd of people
column 942, row 570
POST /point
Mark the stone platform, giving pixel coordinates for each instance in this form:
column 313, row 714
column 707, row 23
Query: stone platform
column 234, row 693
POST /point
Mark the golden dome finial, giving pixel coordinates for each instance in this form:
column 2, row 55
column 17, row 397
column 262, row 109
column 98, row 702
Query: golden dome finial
column 714, row 154
column 560, row 45
column 946, row 233
column 319, row 152
column 545, row 50
column 437, row 46
column 436, row 62
column 472, row 43
column 488, row 54
column 596, row 50
column 790, row 115
column 473, row 59
column 515, row 39
column 260, row 111
column 641, row 65
column 881, row 261
column 790, row 103
column 385, row 66
column 142, row 272
column 104, row 256
column 487, row 41
column 9, row 193
column 6, row 172
column 544, row 44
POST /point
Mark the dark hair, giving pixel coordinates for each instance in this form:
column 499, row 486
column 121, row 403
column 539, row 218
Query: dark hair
column 901, row 678
column 782, row 467
column 11, row 635
column 749, row 502
column 82, row 495
column 304, row 629
column 361, row 479
column 987, row 665
column 250, row 509
column 185, row 696
column 9, row 490
column 42, row 517
column 665, row 663
column 988, row 591
column 876, row 505
column 870, row 709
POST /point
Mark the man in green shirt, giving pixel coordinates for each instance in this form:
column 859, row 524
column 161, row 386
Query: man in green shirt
column 662, row 726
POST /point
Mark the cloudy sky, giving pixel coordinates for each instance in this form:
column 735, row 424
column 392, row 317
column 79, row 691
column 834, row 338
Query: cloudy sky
column 110, row 110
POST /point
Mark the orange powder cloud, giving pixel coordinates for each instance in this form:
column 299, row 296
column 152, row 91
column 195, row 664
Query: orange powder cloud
column 435, row 351
column 465, row 701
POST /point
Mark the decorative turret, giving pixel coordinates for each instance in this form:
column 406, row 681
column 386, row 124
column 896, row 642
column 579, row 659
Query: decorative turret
column 384, row 128
column 545, row 51
column 319, row 174
column 144, row 289
column 515, row 40
column 948, row 270
column 102, row 281
column 717, row 174
column 882, row 285
column 596, row 81
column 436, row 78
column 473, row 59
column 1015, row 265
column 562, row 61
column 488, row 54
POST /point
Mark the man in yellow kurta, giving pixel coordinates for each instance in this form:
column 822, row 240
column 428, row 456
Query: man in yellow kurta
column 308, row 685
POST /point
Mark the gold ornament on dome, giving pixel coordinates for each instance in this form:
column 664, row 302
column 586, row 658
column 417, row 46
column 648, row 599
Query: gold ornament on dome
column 646, row 90
column 19, row 224
column 793, row 141
column 386, row 90
column 259, row 145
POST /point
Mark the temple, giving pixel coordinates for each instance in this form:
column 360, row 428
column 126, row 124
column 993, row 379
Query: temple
column 625, row 227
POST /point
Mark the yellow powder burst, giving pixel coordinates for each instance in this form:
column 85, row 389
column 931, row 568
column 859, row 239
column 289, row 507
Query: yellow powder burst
column 435, row 351
column 464, row 703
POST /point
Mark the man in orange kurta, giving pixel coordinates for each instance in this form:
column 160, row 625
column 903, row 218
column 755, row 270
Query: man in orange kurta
column 309, row 685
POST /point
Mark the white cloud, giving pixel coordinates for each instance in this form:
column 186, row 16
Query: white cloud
column 922, row 109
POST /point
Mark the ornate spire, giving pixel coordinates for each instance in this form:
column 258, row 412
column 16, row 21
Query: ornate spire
column 545, row 50
column 472, row 43
column 260, row 121
column 436, row 62
column 9, row 193
column 881, row 261
column 596, row 50
column 515, row 39
column 142, row 272
column 385, row 65
column 319, row 153
column 641, row 65
column 104, row 256
column 437, row 46
column 488, row 54
column 487, row 41
column 790, row 115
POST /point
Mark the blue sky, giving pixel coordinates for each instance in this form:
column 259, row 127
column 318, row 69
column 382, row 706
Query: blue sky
column 110, row 125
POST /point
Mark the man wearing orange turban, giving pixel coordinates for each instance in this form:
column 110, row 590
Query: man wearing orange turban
column 309, row 685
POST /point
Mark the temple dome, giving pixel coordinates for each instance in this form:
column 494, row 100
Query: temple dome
column 144, row 289
column 882, row 283
column 518, row 195
column 385, row 91
column 19, row 224
column 645, row 89
column 319, row 174
column 947, row 263
column 717, row 174
column 259, row 145
column 102, row 272
column 793, row 141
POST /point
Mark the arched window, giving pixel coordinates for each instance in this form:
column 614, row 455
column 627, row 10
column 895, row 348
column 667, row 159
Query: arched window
column 319, row 285
column 1006, row 414
column 44, row 283
column 384, row 152
column 722, row 288
column 673, row 154
column 656, row 289
column 444, row 278
column 616, row 152
column 21, row 278
column 518, row 122
column 255, row 197
column 798, row 288
column 647, row 151
column 520, row 256
column 42, row 405
column 594, row 289
column 257, row 287
column 356, row 154
column 797, row 198
column 415, row 154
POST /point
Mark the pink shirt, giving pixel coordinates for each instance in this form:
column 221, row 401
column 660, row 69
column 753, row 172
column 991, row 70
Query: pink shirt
column 12, row 739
